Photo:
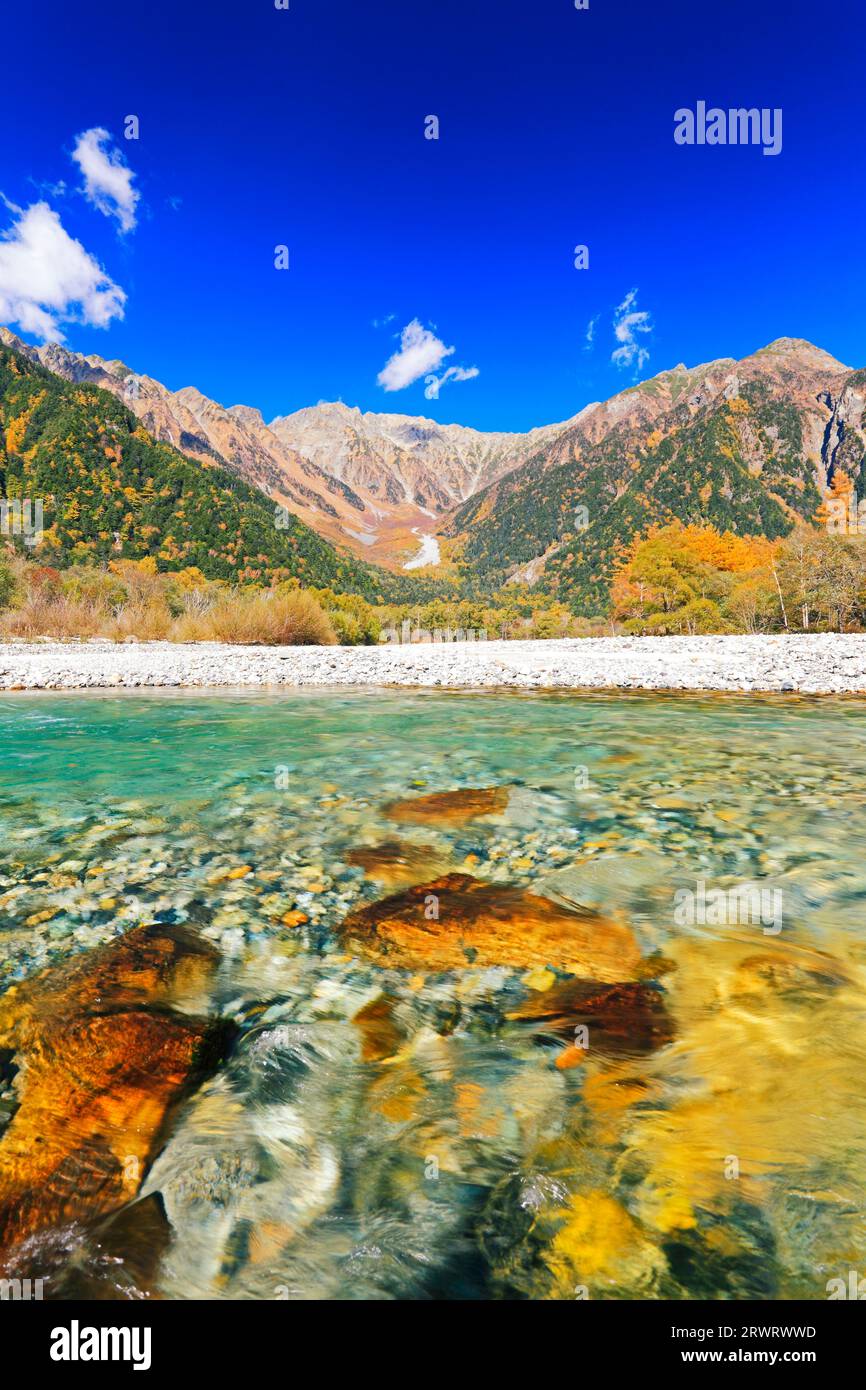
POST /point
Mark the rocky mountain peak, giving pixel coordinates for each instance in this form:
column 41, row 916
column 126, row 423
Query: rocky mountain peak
column 248, row 415
column 376, row 482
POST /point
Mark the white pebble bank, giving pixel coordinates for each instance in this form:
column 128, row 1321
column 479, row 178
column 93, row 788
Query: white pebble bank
column 821, row 662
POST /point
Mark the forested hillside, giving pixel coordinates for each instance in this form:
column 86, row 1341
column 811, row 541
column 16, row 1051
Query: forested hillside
column 110, row 491
column 747, row 459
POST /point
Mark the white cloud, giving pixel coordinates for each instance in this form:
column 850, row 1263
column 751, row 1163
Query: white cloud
column 433, row 384
column 107, row 178
column 628, row 322
column 46, row 189
column 383, row 323
column 47, row 278
column 590, row 331
column 421, row 353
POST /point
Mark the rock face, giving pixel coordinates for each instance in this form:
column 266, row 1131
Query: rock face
column 103, row 1056
column 404, row 457
column 236, row 438
column 844, row 437
column 456, row 921
column 449, row 808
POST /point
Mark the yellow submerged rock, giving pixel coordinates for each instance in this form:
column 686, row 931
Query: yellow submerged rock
column 760, row 1079
column 601, row 1243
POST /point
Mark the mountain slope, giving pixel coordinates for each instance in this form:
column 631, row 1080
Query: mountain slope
column 405, row 458
column 109, row 490
column 749, row 446
column 236, row 438
column 372, row 484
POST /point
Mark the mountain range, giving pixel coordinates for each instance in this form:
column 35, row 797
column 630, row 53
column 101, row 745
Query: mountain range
column 373, row 484
column 749, row 445
column 109, row 490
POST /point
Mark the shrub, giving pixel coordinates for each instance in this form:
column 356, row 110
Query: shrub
column 148, row 620
column 355, row 621
column 8, row 586
column 355, row 628
column 347, row 628
column 94, row 586
column 47, row 615
column 289, row 619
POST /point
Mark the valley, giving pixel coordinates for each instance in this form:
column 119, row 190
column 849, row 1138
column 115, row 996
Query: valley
column 750, row 446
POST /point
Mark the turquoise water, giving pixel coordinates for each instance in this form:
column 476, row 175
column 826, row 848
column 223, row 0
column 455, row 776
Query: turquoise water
column 473, row 1158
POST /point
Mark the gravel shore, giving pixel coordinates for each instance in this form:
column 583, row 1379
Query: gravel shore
column 823, row 662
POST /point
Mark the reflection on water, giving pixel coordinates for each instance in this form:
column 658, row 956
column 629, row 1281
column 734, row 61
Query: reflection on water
column 595, row 1095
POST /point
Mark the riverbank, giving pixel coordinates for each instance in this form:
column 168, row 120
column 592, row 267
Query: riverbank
column 815, row 663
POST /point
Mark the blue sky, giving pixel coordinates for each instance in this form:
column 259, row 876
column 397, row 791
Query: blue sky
column 262, row 127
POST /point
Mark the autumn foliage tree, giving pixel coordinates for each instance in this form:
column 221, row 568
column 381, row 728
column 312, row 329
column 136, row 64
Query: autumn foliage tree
column 823, row 577
column 681, row 579
column 694, row 579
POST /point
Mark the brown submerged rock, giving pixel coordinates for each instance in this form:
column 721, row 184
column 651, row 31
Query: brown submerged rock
column 624, row 1019
column 102, row 1059
column 449, row 808
column 457, row 921
column 120, row 1256
column 380, row 1036
column 395, row 862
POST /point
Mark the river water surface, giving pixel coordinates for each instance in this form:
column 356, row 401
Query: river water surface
column 392, row 1119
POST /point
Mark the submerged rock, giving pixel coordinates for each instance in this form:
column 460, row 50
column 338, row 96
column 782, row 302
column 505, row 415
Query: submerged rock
column 457, row 921
column 601, row 1246
column 625, row 1019
column 767, row 1084
column 449, row 808
column 798, row 977
column 394, row 863
column 380, row 1035
column 120, row 1256
column 103, row 1058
